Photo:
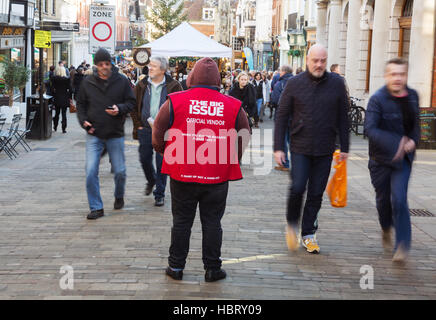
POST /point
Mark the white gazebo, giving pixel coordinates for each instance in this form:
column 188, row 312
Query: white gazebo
column 186, row 41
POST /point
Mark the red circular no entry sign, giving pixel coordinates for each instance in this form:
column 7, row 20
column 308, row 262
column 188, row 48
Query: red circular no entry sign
column 109, row 30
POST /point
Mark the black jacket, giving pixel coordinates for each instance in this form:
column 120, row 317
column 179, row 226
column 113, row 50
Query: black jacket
column 95, row 95
column 78, row 78
column 247, row 95
column 61, row 90
column 384, row 125
column 258, row 89
column 318, row 109
column 279, row 86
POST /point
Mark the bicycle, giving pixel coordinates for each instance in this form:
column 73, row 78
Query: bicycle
column 356, row 116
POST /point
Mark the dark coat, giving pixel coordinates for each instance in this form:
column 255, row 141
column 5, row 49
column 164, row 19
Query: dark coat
column 279, row 86
column 258, row 89
column 318, row 110
column 95, row 95
column 247, row 95
column 78, row 78
column 384, row 125
column 61, row 89
column 141, row 89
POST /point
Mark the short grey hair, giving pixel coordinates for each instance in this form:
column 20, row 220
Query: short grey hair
column 162, row 60
column 286, row 68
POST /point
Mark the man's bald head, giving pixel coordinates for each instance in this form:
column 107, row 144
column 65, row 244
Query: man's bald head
column 317, row 60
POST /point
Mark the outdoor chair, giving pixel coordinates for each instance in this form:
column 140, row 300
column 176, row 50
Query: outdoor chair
column 3, row 146
column 20, row 134
column 7, row 136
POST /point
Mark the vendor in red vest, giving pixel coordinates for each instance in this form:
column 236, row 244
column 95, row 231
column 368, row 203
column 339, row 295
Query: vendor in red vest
column 201, row 155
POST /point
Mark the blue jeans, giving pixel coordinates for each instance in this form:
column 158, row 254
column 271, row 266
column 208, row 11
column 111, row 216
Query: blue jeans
column 391, row 186
column 94, row 149
column 259, row 105
column 313, row 172
column 146, row 158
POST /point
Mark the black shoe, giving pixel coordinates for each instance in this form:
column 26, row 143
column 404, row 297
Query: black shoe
column 64, row 131
column 176, row 275
column 119, row 203
column 55, row 129
column 212, row 275
column 159, row 202
column 95, row 214
column 149, row 188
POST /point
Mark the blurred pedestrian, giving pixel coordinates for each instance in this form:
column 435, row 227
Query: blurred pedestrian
column 78, row 78
column 316, row 103
column 244, row 91
column 62, row 93
column 202, row 184
column 259, row 87
column 105, row 98
column 392, row 125
column 151, row 93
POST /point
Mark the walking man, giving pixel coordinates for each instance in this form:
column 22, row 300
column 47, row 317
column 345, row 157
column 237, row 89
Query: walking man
column 285, row 73
column 151, row 93
column 393, row 130
column 104, row 100
column 317, row 104
column 201, row 119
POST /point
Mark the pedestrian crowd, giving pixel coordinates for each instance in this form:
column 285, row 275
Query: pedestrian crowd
column 178, row 122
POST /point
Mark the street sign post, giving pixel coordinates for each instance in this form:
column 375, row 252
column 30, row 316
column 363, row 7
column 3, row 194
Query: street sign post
column 102, row 28
column 42, row 39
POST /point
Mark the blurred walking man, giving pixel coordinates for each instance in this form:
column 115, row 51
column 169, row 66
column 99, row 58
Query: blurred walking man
column 200, row 161
column 317, row 104
column 393, row 130
column 151, row 93
column 105, row 98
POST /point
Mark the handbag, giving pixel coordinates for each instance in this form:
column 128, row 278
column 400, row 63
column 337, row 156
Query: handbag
column 337, row 186
column 73, row 108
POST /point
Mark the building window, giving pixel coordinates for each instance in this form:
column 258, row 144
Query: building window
column 236, row 44
column 208, row 14
column 45, row 6
column 53, row 7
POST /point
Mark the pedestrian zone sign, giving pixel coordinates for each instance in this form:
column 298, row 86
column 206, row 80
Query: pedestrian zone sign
column 42, row 39
column 102, row 28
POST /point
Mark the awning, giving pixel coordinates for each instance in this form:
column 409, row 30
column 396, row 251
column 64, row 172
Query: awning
column 186, row 41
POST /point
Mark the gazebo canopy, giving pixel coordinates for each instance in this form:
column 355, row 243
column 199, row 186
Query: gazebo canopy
column 186, row 41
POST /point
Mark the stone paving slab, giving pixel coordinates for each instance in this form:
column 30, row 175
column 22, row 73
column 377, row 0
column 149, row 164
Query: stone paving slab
column 43, row 226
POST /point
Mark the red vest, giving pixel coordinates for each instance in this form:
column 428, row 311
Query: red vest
column 202, row 142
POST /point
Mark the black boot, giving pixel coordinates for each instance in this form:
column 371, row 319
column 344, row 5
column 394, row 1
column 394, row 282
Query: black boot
column 119, row 203
column 212, row 275
column 95, row 214
column 176, row 275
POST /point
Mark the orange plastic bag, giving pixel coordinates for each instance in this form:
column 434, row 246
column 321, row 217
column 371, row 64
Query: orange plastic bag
column 337, row 186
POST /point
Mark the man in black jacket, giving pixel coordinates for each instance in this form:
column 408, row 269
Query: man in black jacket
column 393, row 130
column 317, row 104
column 103, row 102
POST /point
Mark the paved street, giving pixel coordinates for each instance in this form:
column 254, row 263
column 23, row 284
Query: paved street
column 43, row 226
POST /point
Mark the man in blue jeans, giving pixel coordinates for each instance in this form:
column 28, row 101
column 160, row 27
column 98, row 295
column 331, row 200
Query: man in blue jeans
column 316, row 102
column 151, row 93
column 393, row 129
column 104, row 100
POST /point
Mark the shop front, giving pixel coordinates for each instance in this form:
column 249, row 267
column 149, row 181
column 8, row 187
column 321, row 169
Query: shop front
column 16, row 19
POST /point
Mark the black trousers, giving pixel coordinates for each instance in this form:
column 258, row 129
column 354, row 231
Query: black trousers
column 212, row 203
column 64, row 117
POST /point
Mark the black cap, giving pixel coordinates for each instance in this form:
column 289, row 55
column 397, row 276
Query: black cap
column 102, row 55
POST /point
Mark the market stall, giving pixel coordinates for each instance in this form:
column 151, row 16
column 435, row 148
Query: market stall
column 184, row 46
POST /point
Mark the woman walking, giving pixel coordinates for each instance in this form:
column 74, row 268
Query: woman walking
column 62, row 96
column 244, row 91
column 258, row 85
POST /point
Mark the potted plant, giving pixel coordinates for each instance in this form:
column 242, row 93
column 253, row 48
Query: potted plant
column 15, row 76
